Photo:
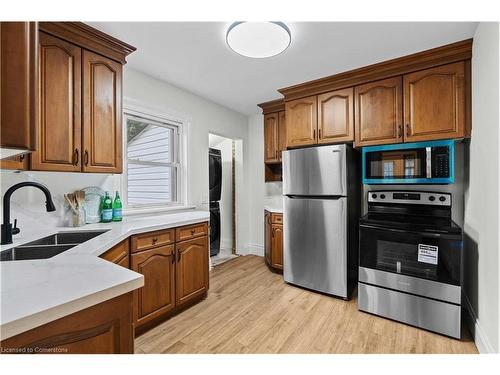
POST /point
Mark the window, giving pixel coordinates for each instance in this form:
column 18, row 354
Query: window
column 152, row 163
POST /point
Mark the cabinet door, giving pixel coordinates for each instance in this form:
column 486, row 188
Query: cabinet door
column 191, row 269
column 102, row 114
column 59, row 126
column 434, row 103
column 379, row 112
column 336, row 116
column 19, row 163
column 281, row 133
column 271, row 137
column 18, row 84
column 277, row 246
column 267, row 238
column 157, row 296
column 301, row 122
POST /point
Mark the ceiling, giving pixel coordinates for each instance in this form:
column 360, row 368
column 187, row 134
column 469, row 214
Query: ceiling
column 195, row 57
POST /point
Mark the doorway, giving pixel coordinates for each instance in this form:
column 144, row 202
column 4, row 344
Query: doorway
column 222, row 194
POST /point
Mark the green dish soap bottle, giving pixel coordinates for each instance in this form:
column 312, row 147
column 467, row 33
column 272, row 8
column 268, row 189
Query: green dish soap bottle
column 107, row 209
column 117, row 208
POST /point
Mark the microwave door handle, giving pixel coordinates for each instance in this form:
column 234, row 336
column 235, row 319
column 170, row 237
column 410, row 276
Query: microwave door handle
column 428, row 162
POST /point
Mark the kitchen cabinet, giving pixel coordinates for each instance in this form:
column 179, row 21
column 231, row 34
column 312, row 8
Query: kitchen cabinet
column 157, row 296
column 118, row 254
column 102, row 114
column 336, row 116
column 273, row 240
column 434, row 103
column 301, row 122
column 379, row 112
column 59, row 128
column 105, row 328
column 18, row 89
column 191, row 269
column 19, row 162
column 174, row 263
column 271, row 127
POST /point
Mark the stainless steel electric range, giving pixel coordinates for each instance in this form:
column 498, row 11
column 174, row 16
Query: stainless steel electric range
column 410, row 260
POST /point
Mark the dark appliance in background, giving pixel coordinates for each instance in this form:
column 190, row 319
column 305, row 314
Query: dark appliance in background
column 215, row 186
column 410, row 257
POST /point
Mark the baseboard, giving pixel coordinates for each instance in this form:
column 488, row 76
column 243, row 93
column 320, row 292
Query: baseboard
column 252, row 248
column 480, row 338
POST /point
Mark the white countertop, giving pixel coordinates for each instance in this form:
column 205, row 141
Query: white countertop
column 273, row 208
column 35, row 292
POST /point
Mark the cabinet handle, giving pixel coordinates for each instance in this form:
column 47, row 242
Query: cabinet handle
column 86, row 157
column 192, row 232
column 21, row 158
column 319, row 133
column 76, row 157
column 155, row 240
column 314, row 134
column 178, row 256
column 407, row 129
column 272, row 233
column 400, row 130
column 173, row 257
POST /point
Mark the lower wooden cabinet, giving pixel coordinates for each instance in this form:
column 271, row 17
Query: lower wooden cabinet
column 118, row 254
column 273, row 240
column 105, row 328
column 191, row 271
column 157, row 296
column 19, row 163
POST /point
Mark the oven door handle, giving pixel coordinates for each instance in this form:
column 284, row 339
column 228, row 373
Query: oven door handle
column 422, row 233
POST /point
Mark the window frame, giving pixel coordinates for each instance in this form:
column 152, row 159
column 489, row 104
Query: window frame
column 179, row 158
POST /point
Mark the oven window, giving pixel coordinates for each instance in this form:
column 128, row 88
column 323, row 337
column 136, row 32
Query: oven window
column 428, row 256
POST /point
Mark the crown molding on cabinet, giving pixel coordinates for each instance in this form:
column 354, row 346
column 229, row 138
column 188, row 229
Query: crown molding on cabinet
column 92, row 39
column 449, row 53
column 272, row 106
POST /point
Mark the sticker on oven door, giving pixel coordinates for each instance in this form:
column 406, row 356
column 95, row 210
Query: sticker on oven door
column 427, row 254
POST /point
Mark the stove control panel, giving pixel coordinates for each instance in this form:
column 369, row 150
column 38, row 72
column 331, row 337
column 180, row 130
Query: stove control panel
column 410, row 197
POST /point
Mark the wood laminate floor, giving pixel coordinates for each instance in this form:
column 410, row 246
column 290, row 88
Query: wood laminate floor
column 249, row 309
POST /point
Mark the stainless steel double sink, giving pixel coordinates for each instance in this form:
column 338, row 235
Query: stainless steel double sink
column 49, row 246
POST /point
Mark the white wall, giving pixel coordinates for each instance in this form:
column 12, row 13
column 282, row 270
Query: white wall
column 481, row 192
column 225, row 145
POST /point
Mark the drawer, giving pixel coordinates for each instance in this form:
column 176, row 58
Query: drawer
column 117, row 254
column 191, row 231
column 277, row 218
column 152, row 239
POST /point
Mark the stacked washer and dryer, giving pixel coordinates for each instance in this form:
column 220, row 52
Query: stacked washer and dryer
column 215, row 182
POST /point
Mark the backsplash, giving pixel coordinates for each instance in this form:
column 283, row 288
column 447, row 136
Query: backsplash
column 28, row 204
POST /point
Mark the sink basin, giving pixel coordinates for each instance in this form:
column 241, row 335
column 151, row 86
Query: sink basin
column 33, row 252
column 66, row 238
column 49, row 246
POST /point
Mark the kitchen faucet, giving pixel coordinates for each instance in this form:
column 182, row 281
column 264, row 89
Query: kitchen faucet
column 6, row 229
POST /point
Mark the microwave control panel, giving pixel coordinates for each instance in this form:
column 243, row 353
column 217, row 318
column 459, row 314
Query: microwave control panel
column 440, row 162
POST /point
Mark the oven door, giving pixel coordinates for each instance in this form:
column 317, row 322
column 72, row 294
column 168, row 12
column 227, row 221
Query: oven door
column 431, row 256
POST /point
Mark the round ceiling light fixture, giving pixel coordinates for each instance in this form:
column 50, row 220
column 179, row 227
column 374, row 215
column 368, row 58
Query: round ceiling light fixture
column 258, row 39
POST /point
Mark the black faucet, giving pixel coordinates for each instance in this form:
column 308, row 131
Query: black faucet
column 7, row 230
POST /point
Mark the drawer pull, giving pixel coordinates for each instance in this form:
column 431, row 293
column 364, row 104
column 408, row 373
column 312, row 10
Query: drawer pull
column 192, row 232
column 155, row 239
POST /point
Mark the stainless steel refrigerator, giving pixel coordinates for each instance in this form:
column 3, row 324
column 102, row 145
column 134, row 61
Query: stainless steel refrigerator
column 322, row 200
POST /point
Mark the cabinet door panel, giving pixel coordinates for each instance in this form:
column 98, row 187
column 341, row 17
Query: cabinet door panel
column 191, row 269
column 277, row 246
column 281, row 133
column 59, row 125
column 301, row 122
column 271, row 137
column 434, row 103
column 379, row 112
column 336, row 116
column 157, row 296
column 102, row 116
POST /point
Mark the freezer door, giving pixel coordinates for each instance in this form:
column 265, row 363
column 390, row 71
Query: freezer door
column 318, row 171
column 315, row 244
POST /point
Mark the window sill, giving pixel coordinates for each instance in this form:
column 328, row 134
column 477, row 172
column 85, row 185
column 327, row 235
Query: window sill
column 155, row 210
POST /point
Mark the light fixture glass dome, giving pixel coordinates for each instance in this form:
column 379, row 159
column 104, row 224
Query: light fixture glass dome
column 258, row 39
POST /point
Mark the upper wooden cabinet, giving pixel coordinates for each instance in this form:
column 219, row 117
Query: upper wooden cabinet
column 379, row 112
column 59, row 126
column 18, row 84
column 281, row 133
column 102, row 114
column 301, row 122
column 271, row 127
column 434, row 103
column 336, row 116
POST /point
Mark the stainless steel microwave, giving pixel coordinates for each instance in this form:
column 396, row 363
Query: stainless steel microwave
column 410, row 163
